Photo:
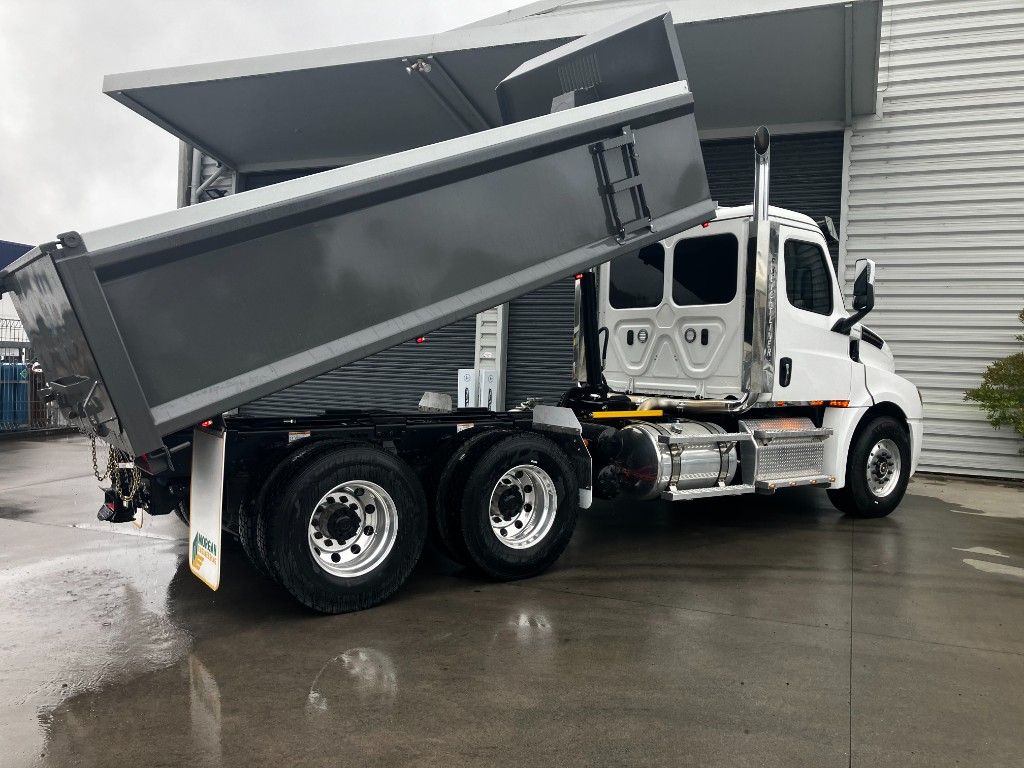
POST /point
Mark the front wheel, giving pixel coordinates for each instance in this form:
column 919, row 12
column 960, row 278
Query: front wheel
column 347, row 531
column 877, row 470
column 519, row 507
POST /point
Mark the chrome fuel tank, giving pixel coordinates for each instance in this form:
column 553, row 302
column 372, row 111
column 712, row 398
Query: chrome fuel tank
column 644, row 467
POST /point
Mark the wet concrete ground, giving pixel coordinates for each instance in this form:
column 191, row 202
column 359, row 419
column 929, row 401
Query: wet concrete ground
column 748, row 631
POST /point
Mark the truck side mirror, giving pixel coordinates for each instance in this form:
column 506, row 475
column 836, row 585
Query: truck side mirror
column 864, row 285
column 863, row 296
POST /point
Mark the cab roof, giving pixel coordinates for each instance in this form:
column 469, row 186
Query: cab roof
column 784, row 214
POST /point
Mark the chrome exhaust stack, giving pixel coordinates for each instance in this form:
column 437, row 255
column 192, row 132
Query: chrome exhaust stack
column 759, row 333
column 762, row 163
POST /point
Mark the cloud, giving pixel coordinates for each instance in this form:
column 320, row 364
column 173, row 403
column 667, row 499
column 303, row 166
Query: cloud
column 74, row 158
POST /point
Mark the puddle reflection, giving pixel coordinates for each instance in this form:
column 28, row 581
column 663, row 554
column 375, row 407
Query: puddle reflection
column 367, row 674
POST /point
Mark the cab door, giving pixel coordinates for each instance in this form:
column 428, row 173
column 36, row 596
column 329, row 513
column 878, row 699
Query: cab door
column 812, row 362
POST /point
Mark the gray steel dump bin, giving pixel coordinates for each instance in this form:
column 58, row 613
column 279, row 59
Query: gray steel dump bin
column 155, row 325
column 152, row 326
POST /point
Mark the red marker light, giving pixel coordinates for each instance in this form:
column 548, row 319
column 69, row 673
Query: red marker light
column 706, row 224
column 206, row 424
column 420, row 339
column 579, row 275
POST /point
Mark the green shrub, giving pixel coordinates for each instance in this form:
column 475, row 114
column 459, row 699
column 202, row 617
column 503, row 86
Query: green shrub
column 1001, row 393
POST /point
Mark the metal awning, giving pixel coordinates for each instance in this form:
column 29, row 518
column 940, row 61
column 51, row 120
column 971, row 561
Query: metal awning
column 786, row 67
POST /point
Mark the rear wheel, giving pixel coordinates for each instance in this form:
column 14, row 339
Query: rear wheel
column 519, row 507
column 267, row 500
column 347, row 531
column 446, row 527
column 877, row 470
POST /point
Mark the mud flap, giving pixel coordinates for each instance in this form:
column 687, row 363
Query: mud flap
column 206, row 505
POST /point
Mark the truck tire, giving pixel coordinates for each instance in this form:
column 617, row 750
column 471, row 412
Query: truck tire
column 247, row 538
column 347, row 529
column 877, row 470
column 267, row 498
column 519, row 507
column 446, row 526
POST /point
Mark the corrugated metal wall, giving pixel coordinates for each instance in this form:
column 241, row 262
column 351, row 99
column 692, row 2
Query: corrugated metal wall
column 393, row 379
column 936, row 197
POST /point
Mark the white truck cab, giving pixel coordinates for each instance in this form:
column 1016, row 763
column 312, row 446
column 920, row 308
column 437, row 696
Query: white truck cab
column 739, row 326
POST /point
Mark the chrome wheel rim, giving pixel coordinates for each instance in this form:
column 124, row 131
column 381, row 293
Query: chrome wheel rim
column 883, row 470
column 352, row 528
column 522, row 506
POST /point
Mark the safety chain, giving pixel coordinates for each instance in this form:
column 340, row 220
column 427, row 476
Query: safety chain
column 113, row 471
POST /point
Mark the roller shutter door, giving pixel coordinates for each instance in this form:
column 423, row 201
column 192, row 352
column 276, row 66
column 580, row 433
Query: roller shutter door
column 806, row 176
column 539, row 347
column 394, row 378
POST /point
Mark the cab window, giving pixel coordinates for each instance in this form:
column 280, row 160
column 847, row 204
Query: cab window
column 808, row 283
column 638, row 279
column 704, row 270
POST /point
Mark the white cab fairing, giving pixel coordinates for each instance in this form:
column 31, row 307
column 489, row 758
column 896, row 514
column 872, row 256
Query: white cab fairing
column 674, row 314
column 874, row 384
column 888, row 387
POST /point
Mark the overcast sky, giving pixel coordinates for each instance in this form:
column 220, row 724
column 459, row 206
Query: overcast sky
column 73, row 158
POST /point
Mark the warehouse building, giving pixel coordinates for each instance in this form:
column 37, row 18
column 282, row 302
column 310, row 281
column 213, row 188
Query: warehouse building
column 898, row 119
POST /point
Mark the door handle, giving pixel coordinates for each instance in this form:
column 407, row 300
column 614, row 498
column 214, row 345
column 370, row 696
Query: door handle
column 785, row 371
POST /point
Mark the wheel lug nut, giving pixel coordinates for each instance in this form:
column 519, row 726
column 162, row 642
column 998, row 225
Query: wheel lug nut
column 318, row 535
column 328, row 543
column 528, row 488
column 527, row 507
column 368, row 530
column 496, row 519
column 518, row 523
column 504, row 532
column 357, row 492
column 355, row 549
column 335, row 557
column 369, row 509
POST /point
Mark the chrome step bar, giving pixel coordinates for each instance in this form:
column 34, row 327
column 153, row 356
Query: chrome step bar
column 770, row 486
column 674, row 494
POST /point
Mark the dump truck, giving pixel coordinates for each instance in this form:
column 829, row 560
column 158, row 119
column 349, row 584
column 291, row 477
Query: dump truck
column 714, row 354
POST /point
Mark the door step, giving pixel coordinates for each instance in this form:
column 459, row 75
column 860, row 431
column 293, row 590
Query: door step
column 771, row 486
column 675, row 494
